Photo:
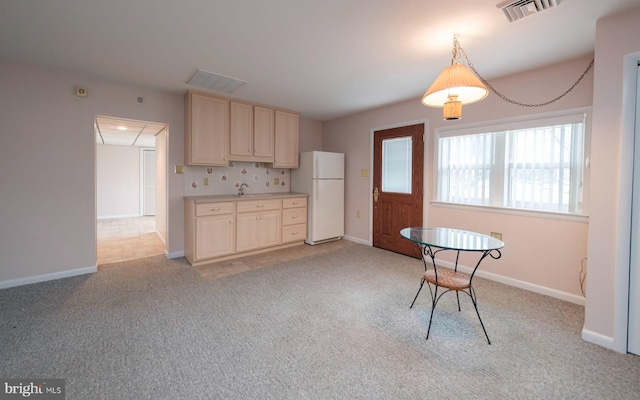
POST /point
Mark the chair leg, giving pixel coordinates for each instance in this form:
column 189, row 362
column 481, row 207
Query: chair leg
column 475, row 305
column 458, row 297
column 414, row 299
column 434, row 301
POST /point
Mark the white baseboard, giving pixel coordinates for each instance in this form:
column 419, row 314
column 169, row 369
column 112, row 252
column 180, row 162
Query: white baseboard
column 571, row 298
column 357, row 240
column 596, row 338
column 47, row 277
column 176, row 254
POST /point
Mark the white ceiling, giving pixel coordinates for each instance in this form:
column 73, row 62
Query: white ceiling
column 125, row 132
column 325, row 59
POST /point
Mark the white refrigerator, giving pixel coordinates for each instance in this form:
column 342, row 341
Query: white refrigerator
column 321, row 176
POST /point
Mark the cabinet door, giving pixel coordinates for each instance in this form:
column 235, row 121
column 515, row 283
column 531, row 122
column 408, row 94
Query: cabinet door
column 263, row 128
column 215, row 236
column 207, row 126
column 247, row 230
column 270, row 228
column 258, row 229
column 241, row 131
column 286, row 140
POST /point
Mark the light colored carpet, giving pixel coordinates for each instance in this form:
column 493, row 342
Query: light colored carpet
column 331, row 326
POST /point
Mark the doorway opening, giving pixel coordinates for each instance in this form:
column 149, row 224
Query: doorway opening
column 131, row 159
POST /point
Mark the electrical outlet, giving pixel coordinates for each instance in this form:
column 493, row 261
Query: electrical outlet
column 276, row 181
column 179, row 169
column 206, row 181
column 357, row 214
column 496, row 235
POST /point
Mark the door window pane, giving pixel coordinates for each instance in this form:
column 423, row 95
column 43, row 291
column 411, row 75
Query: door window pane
column 396, row 165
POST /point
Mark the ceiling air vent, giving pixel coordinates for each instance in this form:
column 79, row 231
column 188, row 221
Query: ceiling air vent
column 515, row 10
column 213, row 81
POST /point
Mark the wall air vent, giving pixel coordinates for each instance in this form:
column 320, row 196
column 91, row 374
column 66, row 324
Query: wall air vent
column 515, row 10
column 213, row 81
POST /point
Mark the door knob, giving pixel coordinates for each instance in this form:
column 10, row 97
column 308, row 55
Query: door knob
column 376, row 194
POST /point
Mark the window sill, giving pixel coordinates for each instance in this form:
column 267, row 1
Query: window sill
column 512, row 211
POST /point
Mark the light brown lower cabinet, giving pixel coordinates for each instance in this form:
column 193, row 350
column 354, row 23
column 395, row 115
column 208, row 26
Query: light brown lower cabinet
column 218, row 231
column 294, row 219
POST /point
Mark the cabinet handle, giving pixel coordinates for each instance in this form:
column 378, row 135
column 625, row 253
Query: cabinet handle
column 214, row 209
column 294, row 217
column 295, row 203
column 260, row 206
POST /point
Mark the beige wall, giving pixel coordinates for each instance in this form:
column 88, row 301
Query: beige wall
column 310, row 135
column 617, row 53
column 118, row 181
column 48, row 164
column 541, row 254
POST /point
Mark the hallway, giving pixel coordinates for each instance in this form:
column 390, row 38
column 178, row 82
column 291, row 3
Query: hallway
column 121, row 239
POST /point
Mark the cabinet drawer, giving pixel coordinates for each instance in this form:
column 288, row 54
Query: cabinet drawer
column 294, row 233
column 294, row 202
column 213, row 209
column 292, row 216
column 259, row 205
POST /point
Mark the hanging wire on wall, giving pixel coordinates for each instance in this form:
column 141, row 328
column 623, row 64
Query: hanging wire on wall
column 583, row 276
column 507, row 99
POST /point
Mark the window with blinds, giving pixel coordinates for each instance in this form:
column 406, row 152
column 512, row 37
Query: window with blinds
column 465, row 168
column 531, row 165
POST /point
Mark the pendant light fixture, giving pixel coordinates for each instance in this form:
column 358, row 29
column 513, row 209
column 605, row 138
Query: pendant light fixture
column 456, row 85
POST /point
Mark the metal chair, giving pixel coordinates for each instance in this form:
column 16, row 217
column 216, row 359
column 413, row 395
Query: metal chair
column 450, row 280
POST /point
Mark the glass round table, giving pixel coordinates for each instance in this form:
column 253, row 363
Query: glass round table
column 432, row 241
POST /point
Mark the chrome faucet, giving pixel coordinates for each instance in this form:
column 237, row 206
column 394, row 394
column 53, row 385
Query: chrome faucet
column 241, row 189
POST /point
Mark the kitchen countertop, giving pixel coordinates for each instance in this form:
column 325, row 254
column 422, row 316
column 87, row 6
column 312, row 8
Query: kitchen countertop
column 249, row 196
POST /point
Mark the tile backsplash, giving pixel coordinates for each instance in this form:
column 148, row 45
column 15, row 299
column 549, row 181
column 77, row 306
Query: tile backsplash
column 227, row 180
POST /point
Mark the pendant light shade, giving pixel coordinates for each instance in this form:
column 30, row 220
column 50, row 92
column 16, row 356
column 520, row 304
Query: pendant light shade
column 455, row 80
column 456, row 85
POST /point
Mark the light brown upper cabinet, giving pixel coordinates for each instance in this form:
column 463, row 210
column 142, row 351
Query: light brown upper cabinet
column 206, row 130
column 286, row 139
column 263, row 128
column 219, row 130
column 251, row 133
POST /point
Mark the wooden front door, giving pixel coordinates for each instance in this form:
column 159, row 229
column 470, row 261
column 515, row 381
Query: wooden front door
column 398, row 170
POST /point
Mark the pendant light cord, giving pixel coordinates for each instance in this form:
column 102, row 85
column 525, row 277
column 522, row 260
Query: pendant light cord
column 505, row 98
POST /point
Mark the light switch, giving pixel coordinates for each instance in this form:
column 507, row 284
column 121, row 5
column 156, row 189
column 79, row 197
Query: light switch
column 206, row 181
column 276, row 181
column 364, row 172
column 179, row 169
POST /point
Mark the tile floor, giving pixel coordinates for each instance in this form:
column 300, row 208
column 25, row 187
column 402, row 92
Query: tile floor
column 221, row 269
column 121, row 239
